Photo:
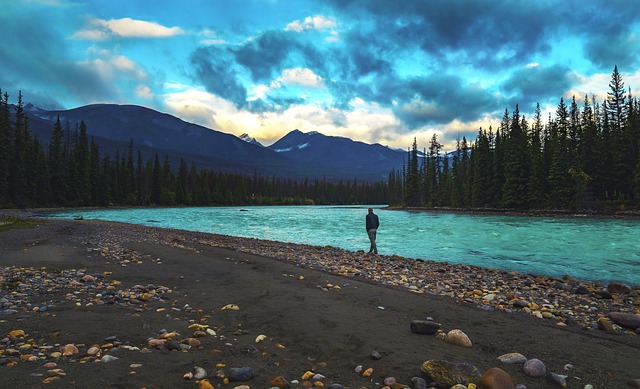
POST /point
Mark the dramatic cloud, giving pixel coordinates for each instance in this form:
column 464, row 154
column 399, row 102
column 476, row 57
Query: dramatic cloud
column 215, row 68
column 367, row 69
column 534, row 84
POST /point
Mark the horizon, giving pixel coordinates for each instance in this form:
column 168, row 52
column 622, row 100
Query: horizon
column 363, row 70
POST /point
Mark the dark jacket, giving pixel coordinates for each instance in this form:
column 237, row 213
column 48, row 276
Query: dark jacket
column 372, row 221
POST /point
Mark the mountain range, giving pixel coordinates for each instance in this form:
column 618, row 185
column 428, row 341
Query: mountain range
column 297, row 155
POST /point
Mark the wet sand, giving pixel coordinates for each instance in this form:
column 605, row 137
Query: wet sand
column 165, row 302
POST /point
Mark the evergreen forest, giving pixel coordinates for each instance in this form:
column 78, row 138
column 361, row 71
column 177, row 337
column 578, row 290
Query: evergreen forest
column 71, row 172
column 585, row 156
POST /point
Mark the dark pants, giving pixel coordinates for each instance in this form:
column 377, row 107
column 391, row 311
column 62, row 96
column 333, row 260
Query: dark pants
column 372, row 239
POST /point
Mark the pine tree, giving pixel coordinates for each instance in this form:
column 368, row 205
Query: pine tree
column 412, row 190
column 5, row 147
column 621, row 140
column 17, row 164
column 482, row 162
column 537, row 178
column 517, row 167
column 57, row 165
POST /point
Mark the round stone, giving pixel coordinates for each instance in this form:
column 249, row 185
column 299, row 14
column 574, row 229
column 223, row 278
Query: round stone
column 534, row 368
column 458, row 338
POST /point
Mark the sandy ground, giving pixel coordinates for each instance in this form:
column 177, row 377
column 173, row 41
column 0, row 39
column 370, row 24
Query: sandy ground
column 311, row 320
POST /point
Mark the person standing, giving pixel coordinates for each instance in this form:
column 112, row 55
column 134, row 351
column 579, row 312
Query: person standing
column 372, row 228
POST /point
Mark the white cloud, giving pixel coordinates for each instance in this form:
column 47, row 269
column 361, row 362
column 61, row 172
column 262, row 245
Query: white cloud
column 100, row 30
column 365, row 121
column 301, row 76
column 317, row 22
column 115, row 67
column 296, row 76
column 144, row 92
column 210, row 37
column 598, row 84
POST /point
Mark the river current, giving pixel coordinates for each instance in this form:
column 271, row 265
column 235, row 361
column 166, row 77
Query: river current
column 585, row 248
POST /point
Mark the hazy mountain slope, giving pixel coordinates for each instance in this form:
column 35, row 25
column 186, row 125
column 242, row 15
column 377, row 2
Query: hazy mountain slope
column 297, row 155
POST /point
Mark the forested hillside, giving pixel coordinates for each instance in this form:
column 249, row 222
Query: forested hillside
column 71, row 171
column 585, row 156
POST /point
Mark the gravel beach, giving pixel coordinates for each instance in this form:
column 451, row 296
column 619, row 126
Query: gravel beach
column 90, row 304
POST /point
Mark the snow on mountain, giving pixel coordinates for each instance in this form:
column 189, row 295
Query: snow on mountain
column 249, row 139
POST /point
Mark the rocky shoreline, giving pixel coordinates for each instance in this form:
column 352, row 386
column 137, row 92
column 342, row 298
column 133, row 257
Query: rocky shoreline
column 591, row 309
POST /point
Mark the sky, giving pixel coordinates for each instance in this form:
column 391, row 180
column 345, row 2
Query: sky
column 377, row 71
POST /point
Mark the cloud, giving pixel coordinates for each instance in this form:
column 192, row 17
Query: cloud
column 268, row 54
column 317, row 22
column 301, row 76
column 216, row 70
column 530, row 85
column 101, row 30
column 608, row 51
column 210, row 37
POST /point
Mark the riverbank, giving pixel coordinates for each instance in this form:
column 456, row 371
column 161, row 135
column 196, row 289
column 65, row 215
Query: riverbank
column 595, row 214
column 166, row 301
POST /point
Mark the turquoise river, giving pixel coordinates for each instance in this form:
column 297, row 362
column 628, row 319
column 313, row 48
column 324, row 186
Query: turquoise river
column 585, row 248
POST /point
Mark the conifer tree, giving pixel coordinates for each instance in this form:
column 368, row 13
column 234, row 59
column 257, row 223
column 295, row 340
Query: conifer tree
column 537, row 179
column 57, row 164
column 412, row 190
column 5, row 146
column 516, row 167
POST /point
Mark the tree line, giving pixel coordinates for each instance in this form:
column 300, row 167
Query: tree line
column 71, row 172
column 584, row 157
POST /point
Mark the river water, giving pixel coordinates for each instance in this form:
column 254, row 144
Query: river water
column 585, row 248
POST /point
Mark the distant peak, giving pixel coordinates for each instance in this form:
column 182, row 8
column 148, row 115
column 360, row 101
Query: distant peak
column 249, row 139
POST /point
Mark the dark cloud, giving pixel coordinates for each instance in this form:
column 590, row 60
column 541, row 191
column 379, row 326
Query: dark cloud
column 485, row 33
column 216, row 69
column 273, row 104
column 35, row 60
column 609, row 51
column 443, row 98
column 268, row 54
column 529, row 86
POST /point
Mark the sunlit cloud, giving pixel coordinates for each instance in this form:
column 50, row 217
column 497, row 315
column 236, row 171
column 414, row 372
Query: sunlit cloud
column 144, row 92
column 301, row 76
column 317, row 22
column 101, row 30
column 292, row 77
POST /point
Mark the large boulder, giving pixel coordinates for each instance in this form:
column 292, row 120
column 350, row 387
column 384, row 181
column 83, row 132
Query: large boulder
column 629, row 320
column 447, row 374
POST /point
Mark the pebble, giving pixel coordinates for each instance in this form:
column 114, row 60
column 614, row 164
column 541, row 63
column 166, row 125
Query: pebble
column 569, row 301
column 559, row 379
column 495, row 378
column 512, row 358
column 375, row 355
column 108, row 358
column 534, row 368
column 205, row 384
column 628, row 320
column 199, row 373
column 424, row 327
column 447, row 374
column 418, row 383
column 241, row 374
column 280, row 382
column 634, row 383
column 458, row 338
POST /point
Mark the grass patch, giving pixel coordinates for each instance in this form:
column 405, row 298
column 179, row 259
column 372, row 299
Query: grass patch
column 11, row 223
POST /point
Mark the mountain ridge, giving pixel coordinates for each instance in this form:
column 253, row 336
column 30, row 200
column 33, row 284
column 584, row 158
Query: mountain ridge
column 114, row 126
